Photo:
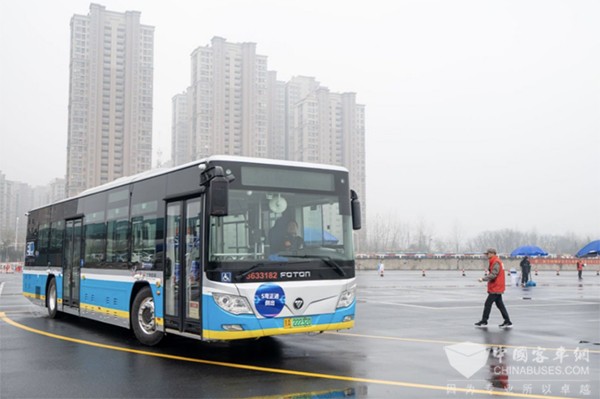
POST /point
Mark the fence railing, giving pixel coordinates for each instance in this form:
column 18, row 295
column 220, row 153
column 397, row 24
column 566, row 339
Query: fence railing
column 11, row 267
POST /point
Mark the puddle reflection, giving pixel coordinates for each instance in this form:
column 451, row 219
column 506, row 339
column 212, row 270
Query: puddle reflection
column 498, row 367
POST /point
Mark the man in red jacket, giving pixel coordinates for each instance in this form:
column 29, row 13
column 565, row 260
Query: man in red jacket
column 495, row 288
column 580, row 266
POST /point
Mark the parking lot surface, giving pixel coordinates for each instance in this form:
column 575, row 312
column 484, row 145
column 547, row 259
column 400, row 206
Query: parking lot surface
column 414, row 337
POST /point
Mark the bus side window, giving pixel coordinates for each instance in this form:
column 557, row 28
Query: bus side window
column 117, row 226
column 116, row 239
column 94, row 210
column 57, row 229
column 147, row 237
column 147, row 223
column 43, row 237
column 95, row 238
column 43, row 244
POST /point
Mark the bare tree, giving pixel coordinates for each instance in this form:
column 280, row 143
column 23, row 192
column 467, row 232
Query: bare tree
column 456, row 237
column 379, row 234
column 387, row 233
column 508, row 240
column 8, row 252
column 423, row 236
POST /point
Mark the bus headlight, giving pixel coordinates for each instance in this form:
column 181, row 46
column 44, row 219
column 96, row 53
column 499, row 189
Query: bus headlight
column 232, row 303
column 346, row 298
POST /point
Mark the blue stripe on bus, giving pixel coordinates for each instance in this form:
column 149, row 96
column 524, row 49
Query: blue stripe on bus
column 34, row 285
column 215, row 317
column 116, row 294
column 106, row 294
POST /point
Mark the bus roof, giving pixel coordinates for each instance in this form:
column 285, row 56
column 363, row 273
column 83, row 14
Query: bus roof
column 125, row 180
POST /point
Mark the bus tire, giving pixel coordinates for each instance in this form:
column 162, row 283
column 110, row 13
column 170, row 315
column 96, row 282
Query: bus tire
column 52, row 299
column 143, row 318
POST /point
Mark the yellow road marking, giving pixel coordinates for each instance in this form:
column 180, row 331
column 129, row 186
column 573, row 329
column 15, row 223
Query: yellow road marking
column 434, row 341
column 278, row 371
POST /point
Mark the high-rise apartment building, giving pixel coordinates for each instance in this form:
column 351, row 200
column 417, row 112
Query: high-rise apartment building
column 235, row 106
column 181, row 138
column 297, row 90
column 110, row 97
column 228, row 100
column 277, row 143
column 15, row 200
column 329, row 128
column 52, row 192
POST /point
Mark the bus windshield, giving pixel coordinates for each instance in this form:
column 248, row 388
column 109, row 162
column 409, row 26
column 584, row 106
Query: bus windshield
column 280, row 225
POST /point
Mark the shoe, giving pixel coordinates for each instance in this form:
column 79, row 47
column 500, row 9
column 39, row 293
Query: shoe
column 506, row 324
column 481, row 323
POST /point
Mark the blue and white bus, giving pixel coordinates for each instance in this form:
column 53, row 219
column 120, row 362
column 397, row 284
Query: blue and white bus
column 202, row 250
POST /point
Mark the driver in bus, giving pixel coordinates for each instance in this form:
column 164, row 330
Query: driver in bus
column 292, row 241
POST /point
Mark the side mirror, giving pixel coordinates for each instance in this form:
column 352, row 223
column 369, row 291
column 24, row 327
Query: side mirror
column 218, row 196
column 356, row 212
column 218, row 190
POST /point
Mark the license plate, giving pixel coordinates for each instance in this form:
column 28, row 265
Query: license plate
column 296, row 322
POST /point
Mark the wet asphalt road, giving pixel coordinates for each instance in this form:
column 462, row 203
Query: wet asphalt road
column 411, row 340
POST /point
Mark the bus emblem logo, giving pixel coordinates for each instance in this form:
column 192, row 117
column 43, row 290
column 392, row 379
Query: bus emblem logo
column 298, row 303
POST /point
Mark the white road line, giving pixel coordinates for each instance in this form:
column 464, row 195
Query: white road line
column 420, row 293
column 16, row 306
column 402, row 304
column 1, row 287
column 474, row 306
column 571, row 300
column 510, row 306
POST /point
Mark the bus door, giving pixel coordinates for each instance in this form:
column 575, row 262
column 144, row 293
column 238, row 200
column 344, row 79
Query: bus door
column 183, row 269
column 72, row 262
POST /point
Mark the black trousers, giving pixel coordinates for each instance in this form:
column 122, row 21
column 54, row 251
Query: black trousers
column 494, row 298
column 579, row 272
column 525, row 274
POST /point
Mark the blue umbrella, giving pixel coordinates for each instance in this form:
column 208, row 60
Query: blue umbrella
column 529, row 250
column 592, row 249
column 312, row 235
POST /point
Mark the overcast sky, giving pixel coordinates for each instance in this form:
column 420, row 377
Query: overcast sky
column 479, row 114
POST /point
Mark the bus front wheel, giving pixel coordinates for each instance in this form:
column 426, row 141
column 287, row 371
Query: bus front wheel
column 143, row 318
column 51, row 301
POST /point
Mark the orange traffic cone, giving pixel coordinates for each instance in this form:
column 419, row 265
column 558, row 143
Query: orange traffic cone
column 423, row 273
column 558, row 272
column 463, row 272
column 536, row 272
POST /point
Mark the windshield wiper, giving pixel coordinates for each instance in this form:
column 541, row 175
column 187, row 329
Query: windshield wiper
column 326, row 259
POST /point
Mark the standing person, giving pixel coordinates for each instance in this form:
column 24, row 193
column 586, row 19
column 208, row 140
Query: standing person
column 525, row 270
column 495, row 288
column 580, row 266
column 380, row 268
